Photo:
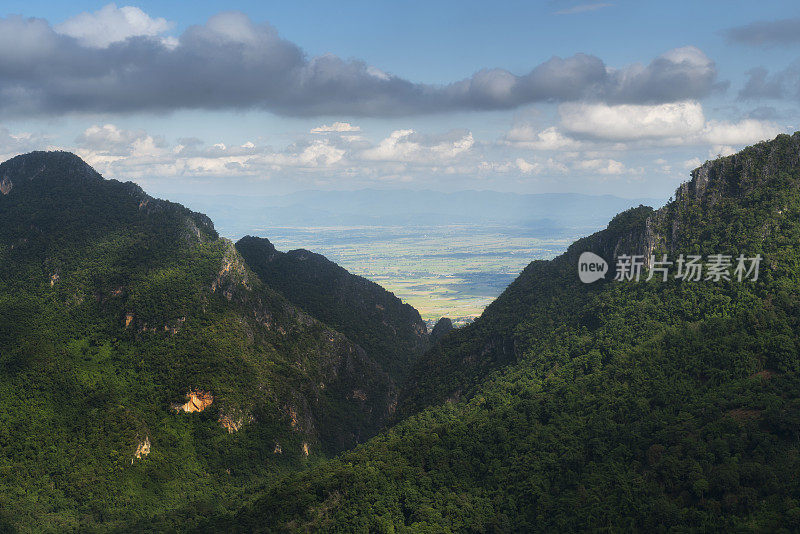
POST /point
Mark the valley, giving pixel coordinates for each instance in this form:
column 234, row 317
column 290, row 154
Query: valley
column 443, row 271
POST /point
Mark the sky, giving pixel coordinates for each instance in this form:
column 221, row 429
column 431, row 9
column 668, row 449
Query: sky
column 252, row 98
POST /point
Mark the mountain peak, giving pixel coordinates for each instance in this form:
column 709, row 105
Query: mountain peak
column 42, row 165
column 741, row 173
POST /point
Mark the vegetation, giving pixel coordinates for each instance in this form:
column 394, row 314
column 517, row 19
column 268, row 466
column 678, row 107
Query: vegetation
column 616, row 406
column 113, row 307
column 392, row 333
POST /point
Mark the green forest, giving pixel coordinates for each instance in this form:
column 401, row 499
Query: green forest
column 615, row 406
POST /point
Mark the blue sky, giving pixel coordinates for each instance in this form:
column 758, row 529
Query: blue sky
column 398, row 80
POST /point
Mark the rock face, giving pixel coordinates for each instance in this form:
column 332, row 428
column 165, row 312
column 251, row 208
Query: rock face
column 5, row 185
column 734, row 178
column 197, row 401
column 142, row 449
column 231, row 423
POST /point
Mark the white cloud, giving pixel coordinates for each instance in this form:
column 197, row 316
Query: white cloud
column 692, row 163
column 602, row 166
column 108, row 137
column 337, row 127
column 537, row 166
column 375, row 72
column 721, row 150
column 524, row 166
column 118, row 152
column 676, row 124
column 13, row 144
column 632, row 122
column 112, row 25
column 408, row 146
column 525, row 136
column 744, row 132
column 317, row 154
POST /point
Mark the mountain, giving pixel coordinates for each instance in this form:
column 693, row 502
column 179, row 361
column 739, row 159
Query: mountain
column 145, row 369
column 618, row 406
column 392, row 333
column 442, row 327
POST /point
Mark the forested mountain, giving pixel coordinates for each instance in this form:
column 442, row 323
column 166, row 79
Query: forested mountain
column 150, row 380
column 144, row 367
column 620, row 405
column 392, row 333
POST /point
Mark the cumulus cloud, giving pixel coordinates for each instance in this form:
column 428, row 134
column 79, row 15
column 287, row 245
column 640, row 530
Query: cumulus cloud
column 89, row 64
column 536, row 166
column 409, row 146
column 112, row 25
column 602, row 166
column 626, row 122
column 524, row 166
column 109, row 138
column 526, row 136
column 766, row 33
column 680, row 123
column 743, row 132
column 692, row 163
column 13, row 144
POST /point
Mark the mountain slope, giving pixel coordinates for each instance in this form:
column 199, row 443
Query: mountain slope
column 143, row 366
column 614, row 406
column 391, row 332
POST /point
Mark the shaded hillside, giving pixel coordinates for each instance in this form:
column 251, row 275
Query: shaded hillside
column 391, row 332
column 617, row 406
column 143, row 366
column 442, row 327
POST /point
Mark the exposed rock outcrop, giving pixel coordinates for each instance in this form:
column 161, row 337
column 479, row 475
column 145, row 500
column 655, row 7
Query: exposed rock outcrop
column 5, row 185
column 736, row 177
column 142, row 449
column 197, row 401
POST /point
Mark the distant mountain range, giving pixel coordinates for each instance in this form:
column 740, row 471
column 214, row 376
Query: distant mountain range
column 545, row 214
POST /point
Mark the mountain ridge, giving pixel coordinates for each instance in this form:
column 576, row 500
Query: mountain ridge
column 391, row 331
